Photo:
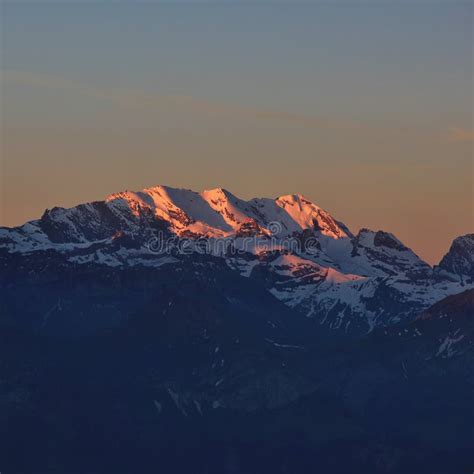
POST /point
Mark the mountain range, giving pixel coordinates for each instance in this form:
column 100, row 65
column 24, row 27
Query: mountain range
column 303, row 256
column 174, row 331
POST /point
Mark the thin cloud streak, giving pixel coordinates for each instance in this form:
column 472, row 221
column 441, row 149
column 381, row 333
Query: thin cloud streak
column 460, row 135
column 137, row 99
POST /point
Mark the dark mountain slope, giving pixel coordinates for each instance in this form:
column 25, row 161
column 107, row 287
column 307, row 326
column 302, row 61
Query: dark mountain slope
column 192, row 389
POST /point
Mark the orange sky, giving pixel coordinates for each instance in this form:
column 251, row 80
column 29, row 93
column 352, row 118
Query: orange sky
column 367, row 111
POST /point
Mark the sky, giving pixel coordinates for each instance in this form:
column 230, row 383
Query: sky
column 366, row 108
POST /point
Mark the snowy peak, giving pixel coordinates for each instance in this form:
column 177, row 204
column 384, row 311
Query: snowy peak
column 218, row 193
column 349, row 283
column 459, row 261
column 381, row 253
column 217, row 212
column 370, row 238
column 306, row 215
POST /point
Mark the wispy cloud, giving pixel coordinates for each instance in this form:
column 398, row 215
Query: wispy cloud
column 460, row 135
column 138, row 99
column 121, row 97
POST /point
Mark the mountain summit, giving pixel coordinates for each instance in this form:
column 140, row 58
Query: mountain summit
column 297, row 251
column 217, row 212
column 212, row 213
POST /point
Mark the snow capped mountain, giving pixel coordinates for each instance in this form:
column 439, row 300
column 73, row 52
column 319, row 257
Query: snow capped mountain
column 218, row 213
column 213, row 213
column 386, row 255
column 459, row 261
column 295, row 249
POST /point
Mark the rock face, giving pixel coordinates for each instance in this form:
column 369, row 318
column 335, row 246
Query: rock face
column 459, row 261
column 288, row 246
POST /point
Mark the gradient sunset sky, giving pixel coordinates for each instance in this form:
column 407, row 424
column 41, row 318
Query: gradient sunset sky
column 366, row 108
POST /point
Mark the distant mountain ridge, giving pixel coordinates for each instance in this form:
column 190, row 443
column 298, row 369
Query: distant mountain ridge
column 124, row 345
column 459, row 260
column 348, row 283
column 212, row 213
